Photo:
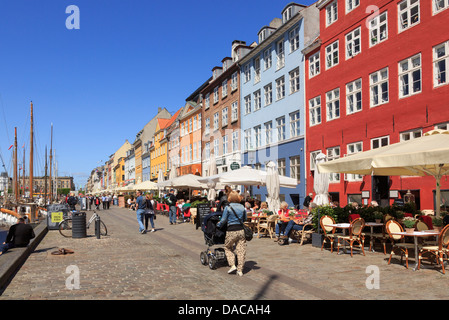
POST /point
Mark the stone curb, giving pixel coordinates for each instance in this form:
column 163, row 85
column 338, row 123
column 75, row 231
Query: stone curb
column 16, row 257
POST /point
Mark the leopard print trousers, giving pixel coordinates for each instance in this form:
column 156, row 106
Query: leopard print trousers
column 236, row 238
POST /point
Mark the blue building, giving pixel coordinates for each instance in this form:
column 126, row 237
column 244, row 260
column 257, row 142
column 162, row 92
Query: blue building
column 273, row 97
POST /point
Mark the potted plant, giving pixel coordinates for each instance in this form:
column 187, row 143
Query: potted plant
column 378, row 216
column 409, row 224
column 437, row 223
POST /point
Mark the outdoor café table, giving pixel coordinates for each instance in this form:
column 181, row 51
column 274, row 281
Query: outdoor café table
column 372, row 225
column 416, row 235
column 344, row 227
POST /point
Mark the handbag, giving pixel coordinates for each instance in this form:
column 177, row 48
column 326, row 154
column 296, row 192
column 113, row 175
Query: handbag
column 246, row 229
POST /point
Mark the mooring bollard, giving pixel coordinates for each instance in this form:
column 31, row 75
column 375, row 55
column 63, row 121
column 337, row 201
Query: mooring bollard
column 97, row 227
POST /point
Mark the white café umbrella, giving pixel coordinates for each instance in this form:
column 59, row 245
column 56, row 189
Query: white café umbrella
column 273, row 187
column 248, row 176
column 173, row 172
column 146, row 185
column 160, row 179
column 321, row 183
column 211, row 185
column 424, row 156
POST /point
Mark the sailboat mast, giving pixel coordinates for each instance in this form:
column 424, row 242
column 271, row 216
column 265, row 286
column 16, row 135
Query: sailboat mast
column 31, row 154
column 45, row 179
column 15, row 181
column 51, row 164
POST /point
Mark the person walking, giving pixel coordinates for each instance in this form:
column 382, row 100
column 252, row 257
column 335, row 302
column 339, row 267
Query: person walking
column 149, row 212
column 141, row 205
column 19, row 235
column 234, row 215
column 171, row 199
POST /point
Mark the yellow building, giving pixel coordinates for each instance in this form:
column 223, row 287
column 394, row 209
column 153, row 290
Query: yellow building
column 118, row 156
column 120, row 172
column 159, row 147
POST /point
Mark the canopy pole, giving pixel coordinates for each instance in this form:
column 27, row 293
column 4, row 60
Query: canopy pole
column 438, row 191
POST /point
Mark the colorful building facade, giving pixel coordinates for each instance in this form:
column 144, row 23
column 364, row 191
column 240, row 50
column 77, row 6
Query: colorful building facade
column 272, row 98
column 376, row 77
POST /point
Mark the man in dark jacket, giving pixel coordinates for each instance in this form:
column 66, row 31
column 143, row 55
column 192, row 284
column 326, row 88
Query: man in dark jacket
column 171, row 199
column 19, row 235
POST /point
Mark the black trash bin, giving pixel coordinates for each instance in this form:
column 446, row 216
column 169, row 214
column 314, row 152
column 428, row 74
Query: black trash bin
column 79, row 229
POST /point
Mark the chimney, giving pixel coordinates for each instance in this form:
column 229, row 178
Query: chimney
column 159, row 110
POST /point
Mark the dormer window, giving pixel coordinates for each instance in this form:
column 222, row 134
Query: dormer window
column 262, row 35
column 287, row 14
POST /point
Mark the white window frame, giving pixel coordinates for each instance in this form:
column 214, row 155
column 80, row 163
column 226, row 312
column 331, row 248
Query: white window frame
column 409, row 73
column 440, row 60
column 268, row 59
column 280, row 49
column 217, row 147
column 216, row 120
column 442, row 126
column 293, row 37
column 280, row 128
column 281, row 167
column 224, row 88
column 234, row 111
column 268, row 94
column 378, row 80
column 331, row 13
column 207, row 101
column 332, row 55
column 410, row 134
column 353, row 148
column 207, row 126
column 295, row 124
column 257, row 136
column 378, row 29
column 268, row 126
column 225, row 144
column 216, row 95
column 224, row 117
column 315, row 111
column 294, row 80
column 247, row 72
column 295, row 168
column 407, row 13
column 313, row 155
column 333, row 104
column 381, row 141
column 247, row 141
column 353, row 43
column 351, row 5
column 314, row 65
column 354, row 96
column 235, row 140
column 248, row 104
column 257, row 100
column 234, row 81
column 257, row 70
column 436, row 8
column 333, row 153
column 280, row 88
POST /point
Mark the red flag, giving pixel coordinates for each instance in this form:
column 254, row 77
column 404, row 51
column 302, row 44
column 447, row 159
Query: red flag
column 10, row 147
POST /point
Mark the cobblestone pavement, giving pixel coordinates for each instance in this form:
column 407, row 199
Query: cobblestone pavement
column 165, row 265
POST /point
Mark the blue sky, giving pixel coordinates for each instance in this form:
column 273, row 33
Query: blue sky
column 101, row 84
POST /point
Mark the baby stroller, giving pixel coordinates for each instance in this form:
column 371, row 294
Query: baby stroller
column 213, row 236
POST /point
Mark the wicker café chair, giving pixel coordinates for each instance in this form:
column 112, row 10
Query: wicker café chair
column 329, row 232
column 397, row 241
column 438, row 251
column 266, row 225
column 355, row 235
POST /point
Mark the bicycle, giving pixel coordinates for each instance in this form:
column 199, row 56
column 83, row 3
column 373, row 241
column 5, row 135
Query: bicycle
column 65, row 226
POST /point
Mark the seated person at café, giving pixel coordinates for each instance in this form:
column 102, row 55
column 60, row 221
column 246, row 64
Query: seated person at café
column 296, row 225
column 264, row 206
column 256, row 206
column 284, row 217
column 249, row 210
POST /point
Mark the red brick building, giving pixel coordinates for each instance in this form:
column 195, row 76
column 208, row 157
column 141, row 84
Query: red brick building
column 376, row 75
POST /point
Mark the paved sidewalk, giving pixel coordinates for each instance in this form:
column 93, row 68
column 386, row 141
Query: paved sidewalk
column 165, row 265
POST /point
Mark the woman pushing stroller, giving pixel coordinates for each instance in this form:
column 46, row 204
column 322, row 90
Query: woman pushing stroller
column 235, row 235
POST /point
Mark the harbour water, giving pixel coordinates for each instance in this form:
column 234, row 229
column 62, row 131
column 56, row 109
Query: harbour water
column 3, row 234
